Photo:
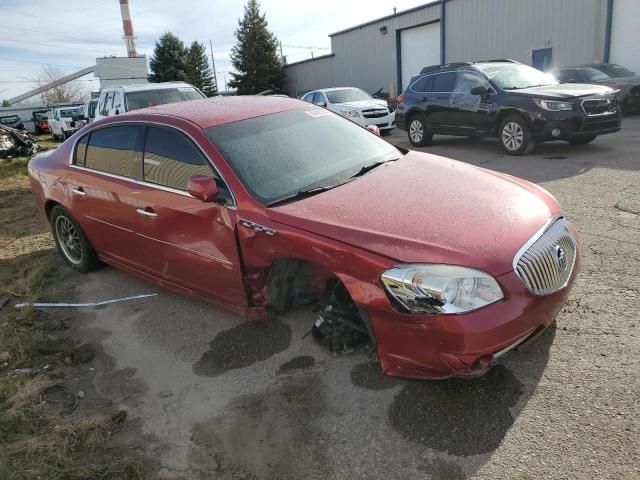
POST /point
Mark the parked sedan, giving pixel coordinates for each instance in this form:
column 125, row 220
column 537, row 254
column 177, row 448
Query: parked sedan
column 626, row 82
column 356, row 105
column 12, row 121
column 258, row 203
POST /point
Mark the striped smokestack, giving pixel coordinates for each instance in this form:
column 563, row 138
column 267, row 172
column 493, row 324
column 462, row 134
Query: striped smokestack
column 127, row 26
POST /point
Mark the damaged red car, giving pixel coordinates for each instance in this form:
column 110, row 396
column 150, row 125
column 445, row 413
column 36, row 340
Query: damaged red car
column 257, row 204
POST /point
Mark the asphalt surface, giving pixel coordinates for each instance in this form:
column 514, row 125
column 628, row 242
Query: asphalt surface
column 212, row 395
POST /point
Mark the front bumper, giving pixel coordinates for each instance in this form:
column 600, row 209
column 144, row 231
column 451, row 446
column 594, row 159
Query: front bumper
column 572, row 124
column 388, row 122
column 441, row 346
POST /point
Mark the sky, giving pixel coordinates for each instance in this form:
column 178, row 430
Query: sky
column 70, row 34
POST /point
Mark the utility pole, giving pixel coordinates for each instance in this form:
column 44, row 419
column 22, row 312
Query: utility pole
column 213, row 64
column 281, row 56
column 224, row 74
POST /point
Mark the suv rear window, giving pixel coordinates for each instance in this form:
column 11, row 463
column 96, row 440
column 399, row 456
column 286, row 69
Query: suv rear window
column 150, row 98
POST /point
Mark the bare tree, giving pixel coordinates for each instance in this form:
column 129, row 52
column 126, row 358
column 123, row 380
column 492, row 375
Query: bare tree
column 69, row 92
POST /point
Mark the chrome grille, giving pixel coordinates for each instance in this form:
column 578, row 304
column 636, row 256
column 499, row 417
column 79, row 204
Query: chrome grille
column 539, row 264
column 375, row 113
column 599, row 106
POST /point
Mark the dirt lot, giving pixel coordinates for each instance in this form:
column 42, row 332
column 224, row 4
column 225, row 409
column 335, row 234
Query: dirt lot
column 212, row 395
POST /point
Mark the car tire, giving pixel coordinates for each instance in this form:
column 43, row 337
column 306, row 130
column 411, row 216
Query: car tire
column 514, row 136
column 385, row 133
column 72, row 243
column 418, row 132
column 582, row 139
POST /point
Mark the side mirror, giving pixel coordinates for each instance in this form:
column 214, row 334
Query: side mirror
column 374, row 129
column 321, row 104
column 203, row 188
column 478, row 91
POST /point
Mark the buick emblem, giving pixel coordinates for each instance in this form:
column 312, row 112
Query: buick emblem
column 561, row 257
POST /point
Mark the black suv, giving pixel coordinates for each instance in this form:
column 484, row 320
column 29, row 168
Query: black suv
column 507, row 100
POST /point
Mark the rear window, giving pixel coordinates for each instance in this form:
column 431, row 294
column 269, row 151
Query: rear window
column 116, row 150
column 69, row 113
column 151, row 98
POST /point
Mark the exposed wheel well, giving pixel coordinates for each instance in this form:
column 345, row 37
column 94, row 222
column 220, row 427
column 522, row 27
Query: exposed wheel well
column 505, row 113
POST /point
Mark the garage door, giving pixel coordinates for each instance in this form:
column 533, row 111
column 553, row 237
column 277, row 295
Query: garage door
column 625, row 34
column 419, row 47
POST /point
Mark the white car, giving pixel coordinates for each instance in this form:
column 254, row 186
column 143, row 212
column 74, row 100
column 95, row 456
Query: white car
column 356, row 105
column 116, row 100
column 62, row 122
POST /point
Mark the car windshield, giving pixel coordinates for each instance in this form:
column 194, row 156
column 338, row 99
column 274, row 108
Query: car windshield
column 515, row 77
column 615, row 71
column 347, row 95
column 69, row 113
column 10, row 119
column 151, row 98
column 281, row 154
column 594, row 74
column 40, row 116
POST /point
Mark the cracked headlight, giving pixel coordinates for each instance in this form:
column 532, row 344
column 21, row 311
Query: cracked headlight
column 552, row 105
column 350, row 113
column 425, row 288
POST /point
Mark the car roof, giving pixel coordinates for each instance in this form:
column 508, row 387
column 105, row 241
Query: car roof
column 135, row 87
column 333, row 89
column 210, row 112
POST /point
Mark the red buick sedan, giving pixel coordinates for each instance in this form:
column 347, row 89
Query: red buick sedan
column 259, row 203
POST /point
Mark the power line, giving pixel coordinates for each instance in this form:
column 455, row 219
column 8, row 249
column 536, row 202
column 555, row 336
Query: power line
column 39, row 63
column 51, row 46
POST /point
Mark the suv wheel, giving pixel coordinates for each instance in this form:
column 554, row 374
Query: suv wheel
column 514, row 135
column 582, row 139
column 419, row 136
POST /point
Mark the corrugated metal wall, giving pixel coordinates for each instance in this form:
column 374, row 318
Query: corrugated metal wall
column 483, row 29
column 363, row 58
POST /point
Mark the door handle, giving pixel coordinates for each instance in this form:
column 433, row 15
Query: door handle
column 147, row 213
column 79, row 192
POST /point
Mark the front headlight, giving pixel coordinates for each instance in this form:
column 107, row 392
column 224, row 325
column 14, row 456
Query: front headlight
column 350, row 113
column 425, row 288
column 552, row 105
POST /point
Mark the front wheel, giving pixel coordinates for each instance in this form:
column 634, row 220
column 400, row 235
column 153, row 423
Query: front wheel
column 582, row 139
column 514, row 136
column 72, row 243
column 419, row 135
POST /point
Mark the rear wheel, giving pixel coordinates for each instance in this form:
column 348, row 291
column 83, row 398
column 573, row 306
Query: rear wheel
column 72, row 243
column 514, row 136
column 582, row 139
column 418, row 132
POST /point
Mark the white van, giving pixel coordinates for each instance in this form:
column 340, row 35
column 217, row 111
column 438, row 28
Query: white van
column 120, row 99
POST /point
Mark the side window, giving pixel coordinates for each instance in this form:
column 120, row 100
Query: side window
column 117, row 100
column 318, row 97
column 423, row 85
column 467, row 81
column 308, row 97
column 116, row 150
column 444, row 82
column 170, row 159
column 81, row 151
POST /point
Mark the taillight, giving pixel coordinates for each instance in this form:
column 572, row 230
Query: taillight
column 400, row 99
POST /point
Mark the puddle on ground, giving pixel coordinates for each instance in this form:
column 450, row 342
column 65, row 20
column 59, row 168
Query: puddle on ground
column 257, row 434
column 243, row 345
column 301, row 362
column 458, row 416
column 370, row 376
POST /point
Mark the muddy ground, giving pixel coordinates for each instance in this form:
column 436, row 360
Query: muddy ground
column 213, row 395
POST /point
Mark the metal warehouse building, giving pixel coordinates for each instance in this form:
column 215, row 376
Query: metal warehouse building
column 384, row 53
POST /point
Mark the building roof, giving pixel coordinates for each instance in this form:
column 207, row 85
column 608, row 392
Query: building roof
column 387, row 17
column 210, row 112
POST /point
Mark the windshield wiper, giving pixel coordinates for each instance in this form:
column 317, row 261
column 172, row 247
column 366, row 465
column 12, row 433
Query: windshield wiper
column 371, row 166
column 303, row 194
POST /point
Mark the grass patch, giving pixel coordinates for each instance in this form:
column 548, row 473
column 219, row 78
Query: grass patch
column 35, row 440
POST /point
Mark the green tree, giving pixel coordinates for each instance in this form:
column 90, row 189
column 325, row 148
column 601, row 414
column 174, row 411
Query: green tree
column 5, row 103
column 168, row 63
column 198, row 72
column 255, row 55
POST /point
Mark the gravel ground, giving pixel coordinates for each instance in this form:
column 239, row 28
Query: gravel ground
column 216, row 396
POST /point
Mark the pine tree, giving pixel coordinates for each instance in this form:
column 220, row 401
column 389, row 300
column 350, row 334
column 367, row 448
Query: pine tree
column 168, row 63
column 198, row 72
column 255, row 55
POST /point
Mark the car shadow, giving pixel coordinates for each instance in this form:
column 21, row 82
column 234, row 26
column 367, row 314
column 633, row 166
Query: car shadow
column 467, row 419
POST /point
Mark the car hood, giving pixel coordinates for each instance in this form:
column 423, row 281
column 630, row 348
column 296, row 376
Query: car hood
column 362, row 104
column 563, row 91
column 621, row 82
column 425, row 208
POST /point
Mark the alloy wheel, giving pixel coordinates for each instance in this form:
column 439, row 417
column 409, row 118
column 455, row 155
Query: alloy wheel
column 512, row 136
column 416, row 131
column 69, row 239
